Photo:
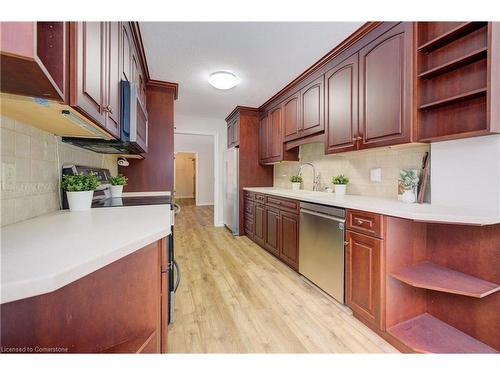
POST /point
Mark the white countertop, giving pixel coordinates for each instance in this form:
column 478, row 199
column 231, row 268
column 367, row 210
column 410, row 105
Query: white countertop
column 391, row 207
column 48, row 252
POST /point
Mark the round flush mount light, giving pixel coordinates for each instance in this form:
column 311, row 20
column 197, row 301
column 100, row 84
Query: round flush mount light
column 223, row 80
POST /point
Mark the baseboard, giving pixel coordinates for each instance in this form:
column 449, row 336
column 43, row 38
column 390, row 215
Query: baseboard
column 205, row 204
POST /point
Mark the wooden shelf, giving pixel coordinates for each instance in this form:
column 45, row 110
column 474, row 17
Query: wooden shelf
column 428, row 275
column 427, row 334
column 454, row 99
column 132, row 346
column 451, row 35
column 455, row 64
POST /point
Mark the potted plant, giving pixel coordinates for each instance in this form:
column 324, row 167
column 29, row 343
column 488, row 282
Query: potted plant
column 117, row 184
column 79, row 189
column 296, row 181
column 408, row 181
column 340, row 182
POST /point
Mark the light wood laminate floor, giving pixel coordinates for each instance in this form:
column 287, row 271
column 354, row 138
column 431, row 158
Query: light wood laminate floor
column 237, row 298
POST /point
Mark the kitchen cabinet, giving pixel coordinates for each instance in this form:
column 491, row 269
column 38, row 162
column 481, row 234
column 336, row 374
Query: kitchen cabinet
column 233, row 132
column 289, row 235
column 363, row 277
column 272, row 231
column 311, row 108
column 275, row 224
column 385, row 85
column 260, row 224
column 341, row 106
column 291, row 117
column 113, row 88
column 88, row 66
column 271, row 146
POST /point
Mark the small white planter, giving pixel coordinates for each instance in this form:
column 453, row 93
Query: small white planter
column 340, row 189
column 409, row 196
column 295, row 186
column 80, row 200
column 116, row 191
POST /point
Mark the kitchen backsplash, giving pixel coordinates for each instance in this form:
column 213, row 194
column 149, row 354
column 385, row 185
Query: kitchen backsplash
column 356, row 165
column 34, row 153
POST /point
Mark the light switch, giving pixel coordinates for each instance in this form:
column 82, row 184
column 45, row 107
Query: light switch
column 376, row 174
column 8, row 176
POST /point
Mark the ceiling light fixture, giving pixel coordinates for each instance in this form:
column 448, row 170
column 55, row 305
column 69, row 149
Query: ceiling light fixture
column 223, row 80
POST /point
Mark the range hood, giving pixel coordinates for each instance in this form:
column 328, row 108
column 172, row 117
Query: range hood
column 134, row 128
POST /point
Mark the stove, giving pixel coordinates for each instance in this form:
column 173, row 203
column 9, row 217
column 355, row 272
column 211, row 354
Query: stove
column 132, row 201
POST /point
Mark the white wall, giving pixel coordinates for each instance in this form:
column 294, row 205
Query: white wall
column 203, row 146
column 466, row 173
column 216, row 128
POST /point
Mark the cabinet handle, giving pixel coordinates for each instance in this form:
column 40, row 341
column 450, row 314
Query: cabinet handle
column 354, row 139
column 346, row 243
column 359, row 221
column 359, row 138
column 108, row 108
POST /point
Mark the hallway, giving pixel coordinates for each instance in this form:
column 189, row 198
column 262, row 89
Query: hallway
column 234, row 297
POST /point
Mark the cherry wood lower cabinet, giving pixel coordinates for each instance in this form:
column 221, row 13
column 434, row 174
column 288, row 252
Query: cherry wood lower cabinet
column 274, row 226
column 364, row 278
column 120, row 308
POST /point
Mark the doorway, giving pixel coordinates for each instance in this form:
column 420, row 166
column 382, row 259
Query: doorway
column 185, row 175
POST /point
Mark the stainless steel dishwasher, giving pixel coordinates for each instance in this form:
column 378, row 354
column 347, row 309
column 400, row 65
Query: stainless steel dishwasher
column 321, row 248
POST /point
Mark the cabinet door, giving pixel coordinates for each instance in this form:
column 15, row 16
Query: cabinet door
column 291, row 117
column 264, row 138
column 272, row 230
column 260, row 224
column 230, row 131
column 341, row 106
column 275, row 134
column 364, row 277
column 289, row 239
column 114, row 73
column 311, row 108
column 126, row 52
column 90, row 73
column 385, row 88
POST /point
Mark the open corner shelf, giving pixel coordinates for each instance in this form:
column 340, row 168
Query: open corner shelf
column 469, row 58
column 454, row 99
column 428, row 275
column 427, row 334
column 451, row 35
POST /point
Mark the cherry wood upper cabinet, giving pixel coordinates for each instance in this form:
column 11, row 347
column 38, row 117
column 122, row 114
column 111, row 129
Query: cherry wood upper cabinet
column 264, row 138
column 311, row 108
column 341, row 106
column 113, row 89
column 275, row 134
column 233, row 132
column 291, row 117
column 289, row 239
column 385, row 81
column 88, row 63
column 363, row 277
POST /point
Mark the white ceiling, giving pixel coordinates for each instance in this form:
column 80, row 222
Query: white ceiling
column 266, row 56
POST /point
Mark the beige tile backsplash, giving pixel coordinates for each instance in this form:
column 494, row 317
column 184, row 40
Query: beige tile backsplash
column 34, row 153
column 356, row 165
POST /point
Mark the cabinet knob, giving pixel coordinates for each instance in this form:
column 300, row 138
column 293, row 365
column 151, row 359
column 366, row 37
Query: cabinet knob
column 108, row 108
column 346, row 243
column 359, row 138
column 354, row 139
column 359, row 221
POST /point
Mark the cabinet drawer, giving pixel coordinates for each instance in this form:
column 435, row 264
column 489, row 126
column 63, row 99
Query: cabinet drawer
column 261, row 198
column 284, row 204
column 365, row 222
column 249, row 207
column 249, row 195
column 248, row 224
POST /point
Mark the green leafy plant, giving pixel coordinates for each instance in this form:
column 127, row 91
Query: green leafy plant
column 295, row 178
column 340, row 180
column 118, row 180
column 80, row 182
column 408, row 178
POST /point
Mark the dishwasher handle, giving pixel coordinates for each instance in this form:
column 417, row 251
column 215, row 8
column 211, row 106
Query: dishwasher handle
column 333, row 218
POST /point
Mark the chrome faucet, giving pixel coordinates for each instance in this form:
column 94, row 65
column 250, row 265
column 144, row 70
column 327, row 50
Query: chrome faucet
column 315, row 176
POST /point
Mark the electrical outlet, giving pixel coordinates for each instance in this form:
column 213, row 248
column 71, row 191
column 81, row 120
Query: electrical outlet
column 376, row 174
column 8, row 176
